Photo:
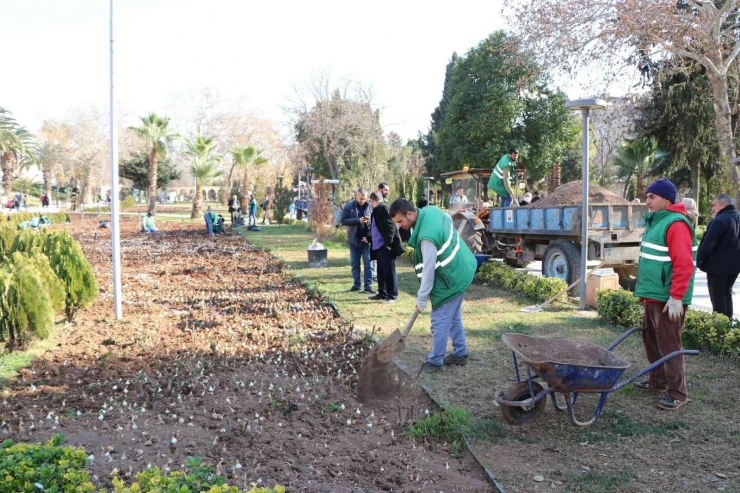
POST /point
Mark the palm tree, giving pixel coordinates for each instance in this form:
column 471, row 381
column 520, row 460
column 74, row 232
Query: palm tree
column 158, row 135
column 50, row 156
column 638, row 157
column 204, row 164
column 246, row 157
column 16, row 147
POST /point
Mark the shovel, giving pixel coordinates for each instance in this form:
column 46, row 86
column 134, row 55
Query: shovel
column 539, row 308
column 379, row 376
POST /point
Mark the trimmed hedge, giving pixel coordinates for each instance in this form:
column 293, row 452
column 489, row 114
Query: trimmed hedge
column 505, row 277
column 18, row 217
column 702, row 330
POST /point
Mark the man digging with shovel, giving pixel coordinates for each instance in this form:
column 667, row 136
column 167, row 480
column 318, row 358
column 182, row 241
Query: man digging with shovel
column 446, row 267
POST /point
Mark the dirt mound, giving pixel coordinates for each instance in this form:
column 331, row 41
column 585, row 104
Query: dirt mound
column 571, row 193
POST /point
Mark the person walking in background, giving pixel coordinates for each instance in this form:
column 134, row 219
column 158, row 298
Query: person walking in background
column 267, row 210
column 385, row 246
column 445, row 268
column 233, row 208
column 535, row 196
column 691, row 211
column 502, row 178
column 719, row 253
column 356, row 216
column 384, row 190
column 252, row 221
column 291, row 210
column 665, row 285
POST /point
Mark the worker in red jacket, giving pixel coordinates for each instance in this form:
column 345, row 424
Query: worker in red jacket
column 665, row 283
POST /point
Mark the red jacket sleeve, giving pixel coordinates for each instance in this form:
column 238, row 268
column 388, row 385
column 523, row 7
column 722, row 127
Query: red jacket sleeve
column 680, row 246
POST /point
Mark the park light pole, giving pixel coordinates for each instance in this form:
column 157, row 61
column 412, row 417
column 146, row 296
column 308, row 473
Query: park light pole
column 114, row 195
column 584, row 106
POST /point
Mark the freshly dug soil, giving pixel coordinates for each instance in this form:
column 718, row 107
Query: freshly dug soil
column 571, row 194
column 569, row 352
column 222, row 355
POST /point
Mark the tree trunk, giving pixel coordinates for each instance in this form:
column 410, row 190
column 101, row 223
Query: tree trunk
column 46, row 172
column 6, row 166
column 640, row 186
column 197, row 201
column 85, row 189
column 723, row 124
column 695, row 179
column 627, row 187
column 152, row 177
column 245, row 198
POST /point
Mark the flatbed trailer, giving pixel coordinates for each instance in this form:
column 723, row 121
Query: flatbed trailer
column 521, row 235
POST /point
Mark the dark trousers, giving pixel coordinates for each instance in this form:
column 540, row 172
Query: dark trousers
column 720, row 292
column 661, row 338
column 387, row 280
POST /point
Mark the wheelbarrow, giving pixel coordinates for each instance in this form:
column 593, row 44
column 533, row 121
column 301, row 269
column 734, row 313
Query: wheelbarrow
column 568, row 368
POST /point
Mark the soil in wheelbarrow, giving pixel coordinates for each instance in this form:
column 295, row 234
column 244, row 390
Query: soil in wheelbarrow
column 575, row 353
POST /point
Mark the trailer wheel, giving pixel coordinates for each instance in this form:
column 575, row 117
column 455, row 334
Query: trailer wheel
column 627, row 277
column 521, row 392
column 562, row 259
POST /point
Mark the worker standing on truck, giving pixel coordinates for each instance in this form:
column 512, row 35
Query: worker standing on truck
column 665, row 284
column 445, row 267
column 503, row 177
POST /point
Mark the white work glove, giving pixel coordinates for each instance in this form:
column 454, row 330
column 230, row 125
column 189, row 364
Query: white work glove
column 674, row 308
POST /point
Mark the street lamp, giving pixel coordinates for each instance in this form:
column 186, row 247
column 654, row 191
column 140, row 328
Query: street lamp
column 584, row 106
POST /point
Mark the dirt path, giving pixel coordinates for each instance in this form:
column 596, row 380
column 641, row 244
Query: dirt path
column 221, row 355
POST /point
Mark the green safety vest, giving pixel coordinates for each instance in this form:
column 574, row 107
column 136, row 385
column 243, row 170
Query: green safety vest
column 456, row 264
column 212, row 215
column 655, row 269
column 148, row 221
column 496, row 183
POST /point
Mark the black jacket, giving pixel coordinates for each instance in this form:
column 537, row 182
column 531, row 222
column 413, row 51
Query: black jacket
column 719, row 251
column 388, row 229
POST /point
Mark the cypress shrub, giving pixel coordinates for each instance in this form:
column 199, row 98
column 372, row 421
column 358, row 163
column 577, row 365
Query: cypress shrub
column 21, row 315
column 70, row 265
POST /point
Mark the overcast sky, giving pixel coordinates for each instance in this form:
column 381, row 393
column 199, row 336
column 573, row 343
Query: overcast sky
column 248, row 50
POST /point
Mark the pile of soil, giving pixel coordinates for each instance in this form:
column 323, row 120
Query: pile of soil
column 568, row 352
column 572, row 193
column 222, row 355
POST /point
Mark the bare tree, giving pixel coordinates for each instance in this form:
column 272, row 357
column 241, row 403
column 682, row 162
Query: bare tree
column 335, row 122
column 575, row 33
column 610, row 127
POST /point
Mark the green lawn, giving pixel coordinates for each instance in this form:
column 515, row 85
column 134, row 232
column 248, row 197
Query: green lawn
column 633, row 447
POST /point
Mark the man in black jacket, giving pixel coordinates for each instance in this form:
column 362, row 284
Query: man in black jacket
column 719, row 253
column 385, row 246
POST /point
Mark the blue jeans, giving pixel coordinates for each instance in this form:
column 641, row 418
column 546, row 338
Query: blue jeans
column 150, row 229
column 447, row 323
column 252, row 220
column 209, row 223
column 355, row 252
column 505, row 201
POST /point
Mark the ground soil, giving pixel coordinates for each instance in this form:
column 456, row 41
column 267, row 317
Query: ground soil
column 568, row 352
column 224, row 356
column 571, row 193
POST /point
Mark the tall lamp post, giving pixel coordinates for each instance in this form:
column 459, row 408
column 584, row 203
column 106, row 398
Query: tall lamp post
column 585, row 106
column 114, row 193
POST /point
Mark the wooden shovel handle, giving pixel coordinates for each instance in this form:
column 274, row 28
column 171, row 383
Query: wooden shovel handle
column 410, row 323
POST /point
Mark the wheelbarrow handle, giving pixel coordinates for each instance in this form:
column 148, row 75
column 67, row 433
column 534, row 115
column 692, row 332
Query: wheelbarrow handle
column 624, row 336
column 410, row 323
column 680, row 352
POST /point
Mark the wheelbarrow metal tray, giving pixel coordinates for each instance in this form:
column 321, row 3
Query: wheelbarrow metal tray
column 568, row 366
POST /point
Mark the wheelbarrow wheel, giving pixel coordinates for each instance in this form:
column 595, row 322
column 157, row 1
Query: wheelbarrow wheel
column 521, row 392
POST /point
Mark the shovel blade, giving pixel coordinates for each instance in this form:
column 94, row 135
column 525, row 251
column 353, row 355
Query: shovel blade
column 532, row 309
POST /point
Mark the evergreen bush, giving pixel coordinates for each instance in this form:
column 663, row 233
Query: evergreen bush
column 702, row 330
column 536, row 288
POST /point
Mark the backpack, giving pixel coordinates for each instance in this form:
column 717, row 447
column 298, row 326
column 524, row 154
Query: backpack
column 264, row 205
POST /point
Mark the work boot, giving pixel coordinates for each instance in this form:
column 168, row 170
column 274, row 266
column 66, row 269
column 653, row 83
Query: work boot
column 456, row 360
column 670, row 404
column 355, row 288
column 430, row 368
column 370, row 291
column 377, row 297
